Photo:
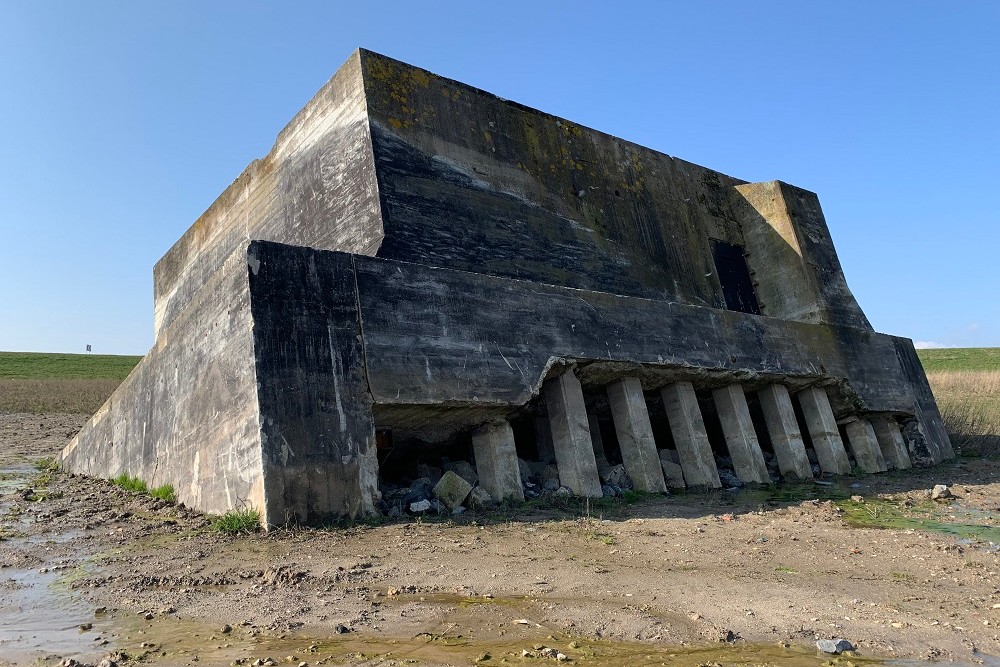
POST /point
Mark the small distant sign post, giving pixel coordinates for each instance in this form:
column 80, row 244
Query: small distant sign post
column 88, row 347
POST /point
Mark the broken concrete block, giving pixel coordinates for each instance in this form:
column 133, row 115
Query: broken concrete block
column 618, row 476
column 479, row 497
column 672, row 473
column 464, row 470
column 452, row 490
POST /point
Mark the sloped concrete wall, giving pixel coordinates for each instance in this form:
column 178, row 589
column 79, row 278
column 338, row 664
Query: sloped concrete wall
column 316, row 187
column 187, row 414
column 797, row 273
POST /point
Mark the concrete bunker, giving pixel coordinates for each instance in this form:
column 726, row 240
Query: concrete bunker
column 421, row 277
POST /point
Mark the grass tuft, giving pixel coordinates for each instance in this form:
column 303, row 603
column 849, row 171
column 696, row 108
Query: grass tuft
column 236, row 522
column 129, row 483
column 165, row 492
column 48, row 464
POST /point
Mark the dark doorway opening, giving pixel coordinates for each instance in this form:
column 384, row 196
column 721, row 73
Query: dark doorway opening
column 734, row 276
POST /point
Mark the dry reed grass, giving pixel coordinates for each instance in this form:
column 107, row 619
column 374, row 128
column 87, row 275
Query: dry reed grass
column 67, row 395
column 970, row 406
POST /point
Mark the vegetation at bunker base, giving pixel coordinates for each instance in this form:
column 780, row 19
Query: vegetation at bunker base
column 966, row 385
column 136, row 485
column 237, row 522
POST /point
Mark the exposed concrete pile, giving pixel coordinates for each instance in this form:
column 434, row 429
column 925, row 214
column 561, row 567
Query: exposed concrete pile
column 420, row 267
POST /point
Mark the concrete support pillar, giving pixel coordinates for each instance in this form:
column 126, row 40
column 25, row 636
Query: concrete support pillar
column 571, row 435
column 496, row 460
column 543, row 440
column 864, row 445
column 596, row 438
column 635, row 435
column 741, row 439
column 688, row 429
column 890, row 441
column 784, row 431
column 823, row 431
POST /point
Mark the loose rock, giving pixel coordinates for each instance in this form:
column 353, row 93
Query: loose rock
column 940, row 491
column 729, row 479
column 420, row 506
column 479, row 497
column 834, row 646
column 617, row 476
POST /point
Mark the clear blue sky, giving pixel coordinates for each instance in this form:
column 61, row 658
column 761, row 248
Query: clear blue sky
column 122, row 121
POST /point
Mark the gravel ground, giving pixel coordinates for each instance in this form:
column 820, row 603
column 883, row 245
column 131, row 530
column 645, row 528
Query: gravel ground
column 90, row 571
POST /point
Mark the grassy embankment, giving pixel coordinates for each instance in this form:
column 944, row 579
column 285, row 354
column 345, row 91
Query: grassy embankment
column 72, row 383
column 966, row 383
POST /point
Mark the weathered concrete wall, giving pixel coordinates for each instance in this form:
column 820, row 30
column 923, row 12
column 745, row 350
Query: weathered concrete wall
column 317, row 434
column 474, row 182
column 438, row 336
column 315, row 188
column 187, row 415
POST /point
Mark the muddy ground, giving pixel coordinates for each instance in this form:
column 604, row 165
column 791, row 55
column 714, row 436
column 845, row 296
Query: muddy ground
column 88, row 570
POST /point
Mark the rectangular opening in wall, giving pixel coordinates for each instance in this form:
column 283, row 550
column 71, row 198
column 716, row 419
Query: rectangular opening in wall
column 734, row 276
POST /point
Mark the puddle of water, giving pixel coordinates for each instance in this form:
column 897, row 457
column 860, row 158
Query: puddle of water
column 37, row 619
column 176, row 639
column 14, row 478
column 792, row 492
column 884, row 514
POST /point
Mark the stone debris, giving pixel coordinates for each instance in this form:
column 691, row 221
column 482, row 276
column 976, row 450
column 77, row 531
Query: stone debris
column 480, row 497
column 550, row 478
column 672, row 473
column 420, row 506
column 940, row 492
column 834, row 646
column 452, row 490
column 464, row 470
column 729, row 479
column 617, row 476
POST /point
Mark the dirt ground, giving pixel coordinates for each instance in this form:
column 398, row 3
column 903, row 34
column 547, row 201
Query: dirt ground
column 89, row 571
